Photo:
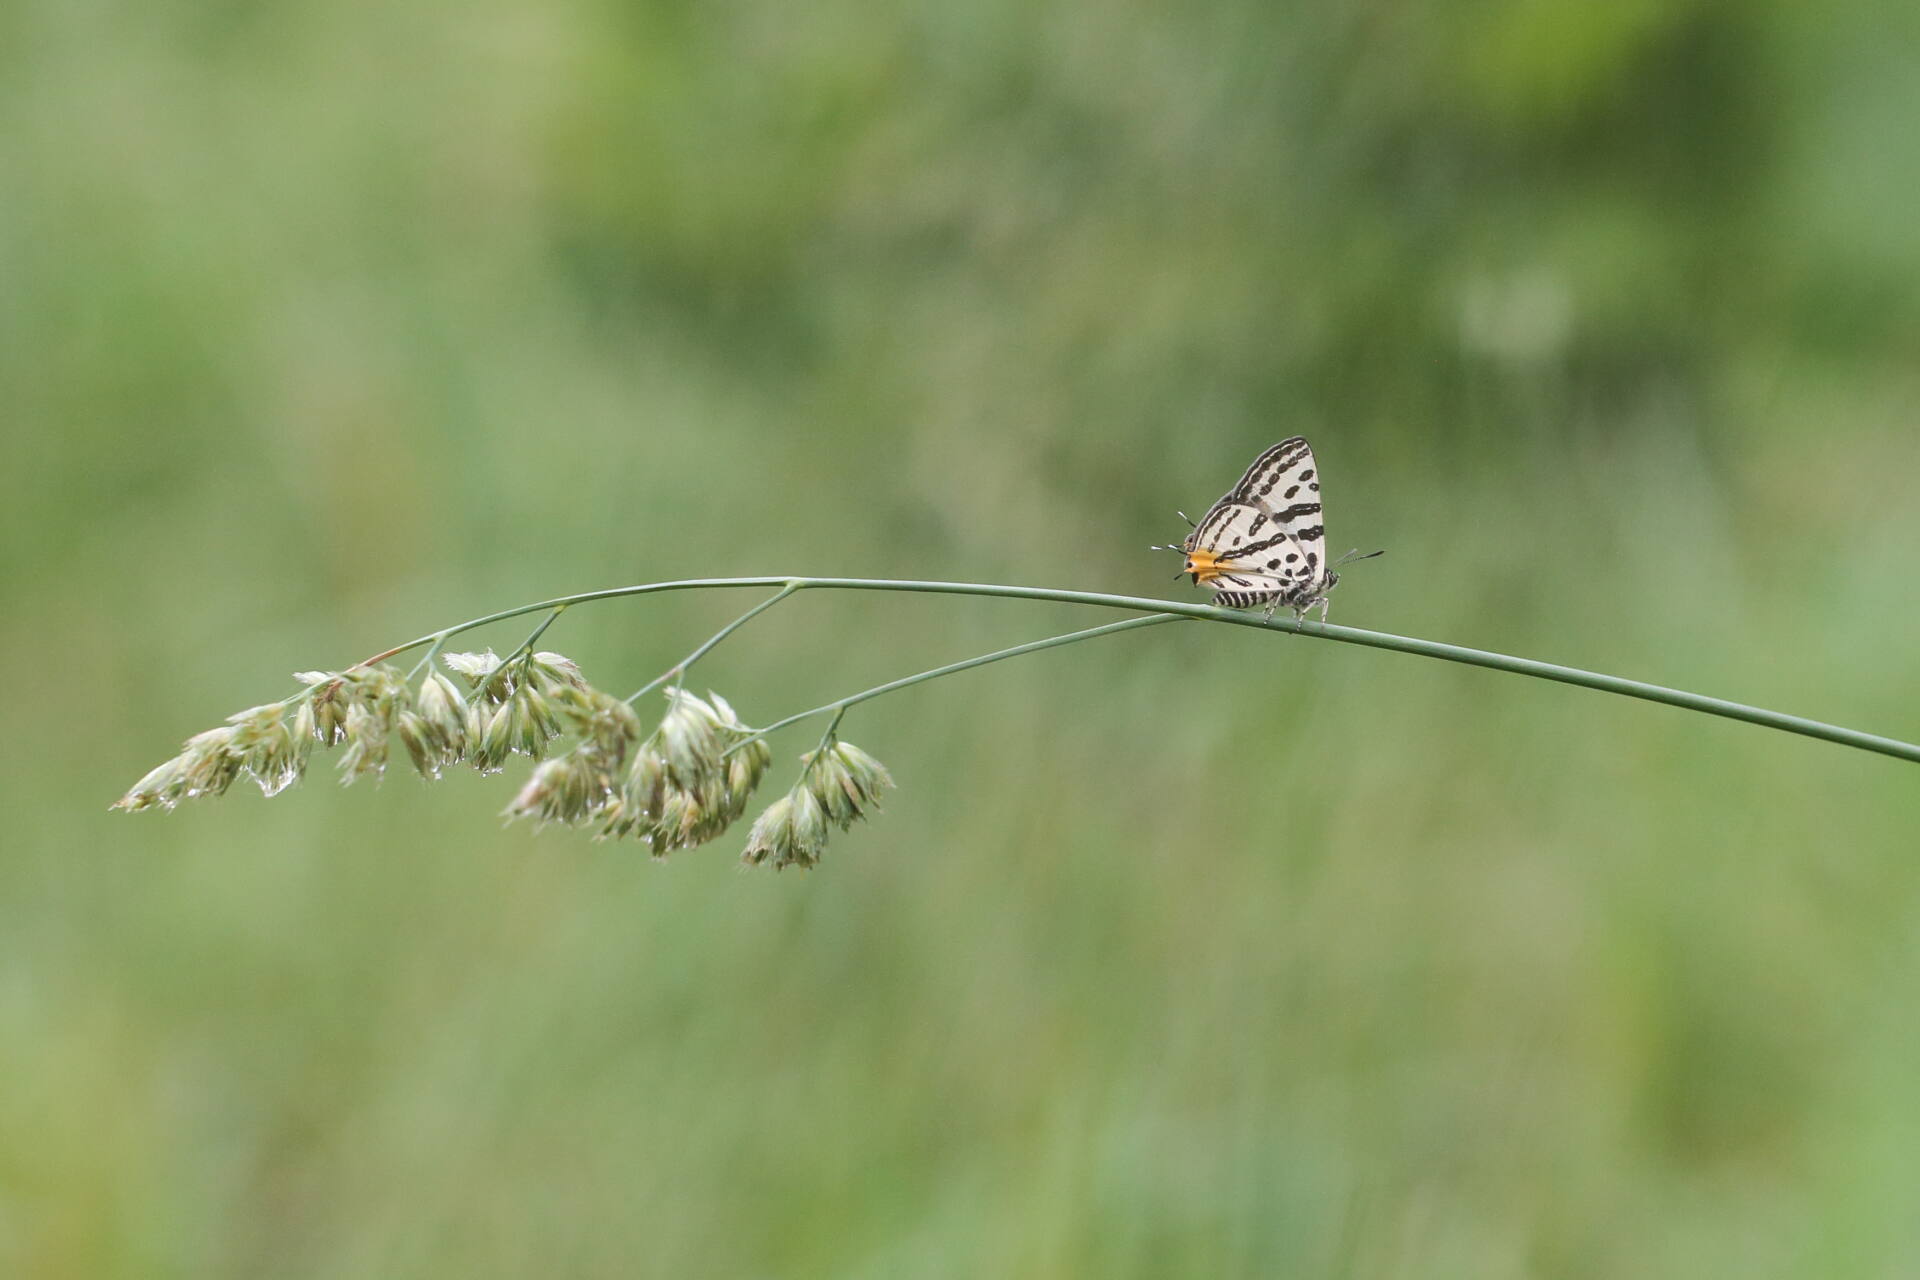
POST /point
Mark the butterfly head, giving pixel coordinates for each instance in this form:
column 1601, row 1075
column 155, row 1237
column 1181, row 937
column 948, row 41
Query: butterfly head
column 1203, row 564
column 1188, row 554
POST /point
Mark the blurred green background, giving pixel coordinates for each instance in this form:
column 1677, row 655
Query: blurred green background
column 1191, row 953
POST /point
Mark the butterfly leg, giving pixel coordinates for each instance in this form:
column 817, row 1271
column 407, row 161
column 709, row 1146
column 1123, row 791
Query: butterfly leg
column 1324, row 603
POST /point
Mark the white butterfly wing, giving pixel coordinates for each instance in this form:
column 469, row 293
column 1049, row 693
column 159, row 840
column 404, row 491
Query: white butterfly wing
column 1263, row 477
column 1227, row 526
column 1284, row 484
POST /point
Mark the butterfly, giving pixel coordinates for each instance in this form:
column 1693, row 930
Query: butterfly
column 1264, row 543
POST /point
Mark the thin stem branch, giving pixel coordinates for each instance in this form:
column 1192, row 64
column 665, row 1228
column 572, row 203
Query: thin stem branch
column 826, row 736
column 433, row 651
column 1321, row 630
column 839, row 705
column 679, row 669
column 525, row 647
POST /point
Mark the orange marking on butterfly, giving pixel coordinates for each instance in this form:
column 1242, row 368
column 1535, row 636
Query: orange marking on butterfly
column 1205, row 565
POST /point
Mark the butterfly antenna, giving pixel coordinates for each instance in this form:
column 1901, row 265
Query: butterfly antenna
column 1189, row 519
column 1354, row 554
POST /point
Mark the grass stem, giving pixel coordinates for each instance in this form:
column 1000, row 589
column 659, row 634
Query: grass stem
column 1210, row 613
column 840, row 705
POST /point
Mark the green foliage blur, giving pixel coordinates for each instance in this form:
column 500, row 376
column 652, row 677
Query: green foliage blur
column 1196, row 952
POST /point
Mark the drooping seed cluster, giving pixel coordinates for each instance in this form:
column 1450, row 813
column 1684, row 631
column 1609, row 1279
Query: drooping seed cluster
column 839, row 785
column 679, row 788
column 681, row 784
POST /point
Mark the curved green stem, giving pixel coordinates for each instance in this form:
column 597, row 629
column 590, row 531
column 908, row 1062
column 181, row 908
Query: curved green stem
column 1326, row 631
column 839, row 705
column 679, row 669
